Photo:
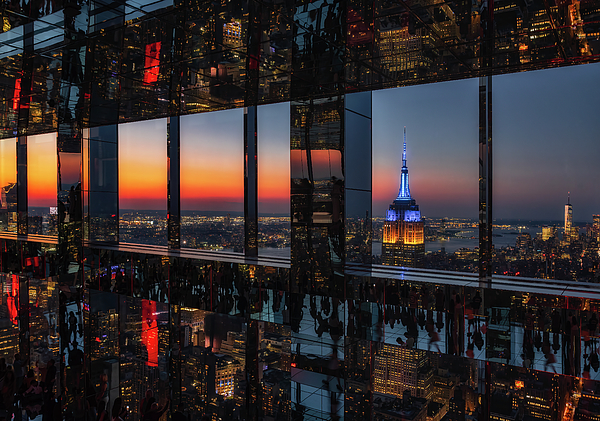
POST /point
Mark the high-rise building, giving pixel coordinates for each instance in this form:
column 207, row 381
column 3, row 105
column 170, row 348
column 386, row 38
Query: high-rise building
column 548, row 232
column 571, row 231
column 403, row 231
column 568, row 226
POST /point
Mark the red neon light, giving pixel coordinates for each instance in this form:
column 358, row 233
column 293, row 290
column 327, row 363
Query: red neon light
column 152, row 62
column 150, row 331
column 13, row 301
column 17, row 95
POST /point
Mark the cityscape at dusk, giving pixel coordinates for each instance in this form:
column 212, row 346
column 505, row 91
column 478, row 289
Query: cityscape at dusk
column 309, row 210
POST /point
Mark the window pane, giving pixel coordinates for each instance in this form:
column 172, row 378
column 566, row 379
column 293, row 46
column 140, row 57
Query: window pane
column 212, row 181
column 42, row 210
column 430, row 218
column 546, row 194
column 274, row 179
column 8, row 180
column 143, row 182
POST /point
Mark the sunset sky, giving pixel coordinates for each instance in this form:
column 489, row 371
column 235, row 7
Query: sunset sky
column 8, row 163
column 545, row 141
column 546, row 136
column 143, row 165
column 212, row 161
column 273, row 167
column 41, row 170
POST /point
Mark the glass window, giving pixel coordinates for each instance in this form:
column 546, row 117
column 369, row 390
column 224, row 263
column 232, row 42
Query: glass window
column 274, row 179
column 212, row 181
column 43, row 210
column 143, row 182
column 425, row 194
column 101, row 183
column 546, row 194
column 8, row 183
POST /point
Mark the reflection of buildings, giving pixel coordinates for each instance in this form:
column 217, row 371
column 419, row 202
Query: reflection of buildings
column 225, row 378
column 398, row 369
column 404, row 49
column 403, row 233
column 276, row 392
column 9, row 206
column 106, row 343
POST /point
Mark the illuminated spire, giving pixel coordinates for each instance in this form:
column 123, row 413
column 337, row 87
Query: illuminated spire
column 404, row 192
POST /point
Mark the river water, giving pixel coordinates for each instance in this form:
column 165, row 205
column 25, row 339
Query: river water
column 502, row 238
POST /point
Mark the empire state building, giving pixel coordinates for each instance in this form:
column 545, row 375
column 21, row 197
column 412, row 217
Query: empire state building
column 403, row 233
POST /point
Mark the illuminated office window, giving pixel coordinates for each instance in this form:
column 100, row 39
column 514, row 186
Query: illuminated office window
column 143, row 182
column 43, row 210
column 274, row 179
column 546, row 194
column 212, row 181
column 8, row 184
column 425, row 196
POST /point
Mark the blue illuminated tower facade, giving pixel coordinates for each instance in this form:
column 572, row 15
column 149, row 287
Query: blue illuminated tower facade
column 403, row 231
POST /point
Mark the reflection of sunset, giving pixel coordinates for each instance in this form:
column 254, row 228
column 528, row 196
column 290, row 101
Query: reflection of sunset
column 70, row 168
column 143, row 165
column 8, row 162
column 41, row 170
column 325, row 164
column 212, row 161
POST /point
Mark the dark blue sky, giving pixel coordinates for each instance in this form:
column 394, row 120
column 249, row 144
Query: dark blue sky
column 546, row 139
column 546, row 142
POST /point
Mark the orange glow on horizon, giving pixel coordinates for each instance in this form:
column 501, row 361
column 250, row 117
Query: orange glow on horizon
column 8, row 162
column 273, row 142
column 143, row 165
column 70, row 169
column 326, row 163
column 42, row 170
column 212, row 161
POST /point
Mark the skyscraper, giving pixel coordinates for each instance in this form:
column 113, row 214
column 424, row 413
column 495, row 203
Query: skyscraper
column 403, row 232
column 571, row 233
